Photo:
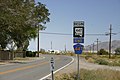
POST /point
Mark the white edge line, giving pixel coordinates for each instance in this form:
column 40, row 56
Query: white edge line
column 58, row 69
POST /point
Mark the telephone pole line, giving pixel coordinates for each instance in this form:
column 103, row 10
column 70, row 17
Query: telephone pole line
column 110, row 36
column 97, row 44
column 90, row 48
column 38, row 43
column 93, row 47
column 65, row 47
column 51, row 45
column 110, row 41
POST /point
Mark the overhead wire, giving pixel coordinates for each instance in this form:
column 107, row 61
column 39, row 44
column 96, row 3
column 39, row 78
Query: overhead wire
column 71, row 34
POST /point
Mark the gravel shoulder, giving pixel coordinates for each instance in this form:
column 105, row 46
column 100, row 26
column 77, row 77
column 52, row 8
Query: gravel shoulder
column 85, row 65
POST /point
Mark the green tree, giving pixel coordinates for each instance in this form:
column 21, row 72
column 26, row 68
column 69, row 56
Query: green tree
column 19, row 21
column 102, row 52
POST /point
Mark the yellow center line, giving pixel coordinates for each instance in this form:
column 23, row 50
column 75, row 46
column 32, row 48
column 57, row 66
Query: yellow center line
column 23, row 68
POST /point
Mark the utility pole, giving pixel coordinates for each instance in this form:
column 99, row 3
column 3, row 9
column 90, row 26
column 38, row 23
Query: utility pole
column 93, row 47
column 65, row 47
column 110, row 41
column 51, row 45
column 38, row 43
column 90, row 48
column 110, row 35
column 97, row 45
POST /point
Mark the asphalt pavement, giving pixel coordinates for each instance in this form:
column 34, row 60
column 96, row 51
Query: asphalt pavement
column 33, row 70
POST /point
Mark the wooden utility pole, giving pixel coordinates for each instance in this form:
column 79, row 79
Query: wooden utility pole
column 110, row 37
column 65, row 47
column 110, row 41
column 51, row 45
column 93, row 47
column 90, row 48
column 38, row 43
column 97, row 45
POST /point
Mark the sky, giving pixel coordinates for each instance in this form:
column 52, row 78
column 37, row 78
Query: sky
column 97, row 15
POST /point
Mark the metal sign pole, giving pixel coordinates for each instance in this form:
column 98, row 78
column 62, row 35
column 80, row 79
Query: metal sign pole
column 52, row 76
column 78, row 73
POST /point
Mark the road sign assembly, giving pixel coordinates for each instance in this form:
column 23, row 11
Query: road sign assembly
column 78, row 48
column 78, row 32
column 78, row 37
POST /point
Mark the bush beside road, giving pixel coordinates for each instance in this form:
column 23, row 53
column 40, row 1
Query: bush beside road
column 103, row 60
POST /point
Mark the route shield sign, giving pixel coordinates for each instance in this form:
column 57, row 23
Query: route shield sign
column 78, row 48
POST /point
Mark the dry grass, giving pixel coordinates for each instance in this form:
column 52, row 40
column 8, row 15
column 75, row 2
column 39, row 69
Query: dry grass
column 104, row 60
column 92, row 75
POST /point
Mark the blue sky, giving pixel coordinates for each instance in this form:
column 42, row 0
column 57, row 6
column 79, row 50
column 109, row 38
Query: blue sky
column 97, row 14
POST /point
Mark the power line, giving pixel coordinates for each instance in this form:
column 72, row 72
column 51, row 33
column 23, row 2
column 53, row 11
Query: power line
column 55, row 33
column 72, row 34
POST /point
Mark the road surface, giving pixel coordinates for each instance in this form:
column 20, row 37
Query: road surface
column 34, row 70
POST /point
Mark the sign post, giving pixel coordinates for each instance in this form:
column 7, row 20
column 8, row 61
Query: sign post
column 52, row 67
column 78, row 70
column 78, row 34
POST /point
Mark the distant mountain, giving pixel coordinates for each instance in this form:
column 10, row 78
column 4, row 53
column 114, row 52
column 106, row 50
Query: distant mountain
column 104, row 45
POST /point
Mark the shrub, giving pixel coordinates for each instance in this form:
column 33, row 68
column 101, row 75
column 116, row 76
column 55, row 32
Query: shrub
column 102, row 62
column 102, row 52
column 30, row 54
column 87, row 57
column 91, row 60
column 114, row 63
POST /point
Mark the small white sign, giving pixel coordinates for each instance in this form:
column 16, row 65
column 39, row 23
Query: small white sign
column 52, row 64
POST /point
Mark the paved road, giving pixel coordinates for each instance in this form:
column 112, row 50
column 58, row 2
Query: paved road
column 34, row 70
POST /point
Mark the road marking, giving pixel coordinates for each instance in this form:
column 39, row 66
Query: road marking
column 23, row 61
column 23, row 68
column 58, row 69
